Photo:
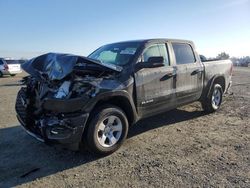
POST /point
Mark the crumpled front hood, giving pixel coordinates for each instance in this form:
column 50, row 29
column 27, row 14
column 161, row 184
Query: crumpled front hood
column 56, row 66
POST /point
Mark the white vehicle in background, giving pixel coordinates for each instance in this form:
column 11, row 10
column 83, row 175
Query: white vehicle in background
column 9, row 67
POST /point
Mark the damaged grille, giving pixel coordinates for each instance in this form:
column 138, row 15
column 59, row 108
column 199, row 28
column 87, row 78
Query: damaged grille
column 24, row 116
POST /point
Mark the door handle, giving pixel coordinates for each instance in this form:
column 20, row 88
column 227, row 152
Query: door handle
column 168, row 76
column 196, row 71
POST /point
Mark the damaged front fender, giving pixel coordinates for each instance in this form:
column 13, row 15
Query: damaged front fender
column 65, row 106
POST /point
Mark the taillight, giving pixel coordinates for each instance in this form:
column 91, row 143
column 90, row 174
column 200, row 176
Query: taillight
column 6, row 67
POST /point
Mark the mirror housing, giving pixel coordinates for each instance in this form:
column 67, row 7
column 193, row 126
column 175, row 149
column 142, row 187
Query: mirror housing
column 156, row 61
column 153, row 62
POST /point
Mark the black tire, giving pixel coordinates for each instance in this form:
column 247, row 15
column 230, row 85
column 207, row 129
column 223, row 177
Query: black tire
column 1, row 74
column 208, row 104
column 93, row 134
column 13, row 75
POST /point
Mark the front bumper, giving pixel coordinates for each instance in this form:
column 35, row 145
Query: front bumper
column 15, row 71
column 65, row 129
column 52, row 130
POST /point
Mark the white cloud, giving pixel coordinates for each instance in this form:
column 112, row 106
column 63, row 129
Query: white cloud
column 236, row 3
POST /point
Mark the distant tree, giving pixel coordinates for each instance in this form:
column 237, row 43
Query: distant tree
column 223, row 55
column 241, row 61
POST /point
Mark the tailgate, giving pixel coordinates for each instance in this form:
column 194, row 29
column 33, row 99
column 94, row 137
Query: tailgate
column 14, row 67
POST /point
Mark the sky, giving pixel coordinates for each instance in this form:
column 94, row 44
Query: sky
column 29, row 28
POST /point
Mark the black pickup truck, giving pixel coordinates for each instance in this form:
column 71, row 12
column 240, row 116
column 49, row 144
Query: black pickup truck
column 93, row 100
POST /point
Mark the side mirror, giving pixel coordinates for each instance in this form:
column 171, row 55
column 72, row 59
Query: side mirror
column 156, row 61
column 153, row 62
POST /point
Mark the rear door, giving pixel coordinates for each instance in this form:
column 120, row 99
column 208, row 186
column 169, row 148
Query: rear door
column 189, row 73
column 154, row 86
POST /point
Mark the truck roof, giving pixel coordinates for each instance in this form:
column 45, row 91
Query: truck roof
column 157, row 40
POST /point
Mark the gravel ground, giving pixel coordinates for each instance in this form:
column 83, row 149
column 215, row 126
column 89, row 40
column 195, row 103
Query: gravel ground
column 180, row 148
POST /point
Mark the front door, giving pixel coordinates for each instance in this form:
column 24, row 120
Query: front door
column 154, row 86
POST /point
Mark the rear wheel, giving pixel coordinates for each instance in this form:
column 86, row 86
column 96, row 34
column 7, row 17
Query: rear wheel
column 107, row 130
column 13, row 75
column 1, row 74
column 213, row 101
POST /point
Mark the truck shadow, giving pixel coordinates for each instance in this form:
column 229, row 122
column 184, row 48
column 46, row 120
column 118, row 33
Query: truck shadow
column 10, row 85
column 164, row 119
column 23, row 159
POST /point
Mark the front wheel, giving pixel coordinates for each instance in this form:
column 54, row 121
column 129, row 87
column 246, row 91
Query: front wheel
column 107, row 130
column 213, row 101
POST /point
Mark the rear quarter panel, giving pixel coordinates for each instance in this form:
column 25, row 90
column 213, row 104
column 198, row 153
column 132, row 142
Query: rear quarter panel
column 217, row 68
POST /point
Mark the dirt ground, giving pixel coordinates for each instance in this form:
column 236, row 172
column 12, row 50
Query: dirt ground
column 180, row 148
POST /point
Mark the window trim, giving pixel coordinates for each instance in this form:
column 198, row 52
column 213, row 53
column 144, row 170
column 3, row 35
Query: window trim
column 195, row 58
column 166, row 45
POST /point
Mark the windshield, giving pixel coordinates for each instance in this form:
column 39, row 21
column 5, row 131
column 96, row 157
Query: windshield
column 12, row 61
column 116, row 54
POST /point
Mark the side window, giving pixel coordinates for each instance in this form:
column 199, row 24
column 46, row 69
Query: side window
column 1, row 62
column 184, row 53
column 164, row 53
column 151, row 52
column 156, row 50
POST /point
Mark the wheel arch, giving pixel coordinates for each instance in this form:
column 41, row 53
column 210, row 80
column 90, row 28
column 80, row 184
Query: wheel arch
column 217, row 79
column 121, row 100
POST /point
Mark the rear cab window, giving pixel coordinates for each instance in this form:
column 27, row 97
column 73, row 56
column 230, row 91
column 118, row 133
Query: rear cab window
column 184, row 53
column 156, row 50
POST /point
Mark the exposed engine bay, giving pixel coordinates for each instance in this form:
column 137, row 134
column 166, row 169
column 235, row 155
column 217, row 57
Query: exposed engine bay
column 51, row 103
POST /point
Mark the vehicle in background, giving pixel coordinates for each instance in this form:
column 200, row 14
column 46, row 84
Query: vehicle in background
column 9, row 67
column 94, row 100
column 203, row 58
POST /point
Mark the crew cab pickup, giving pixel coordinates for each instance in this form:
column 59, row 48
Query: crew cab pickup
column 93, row 100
